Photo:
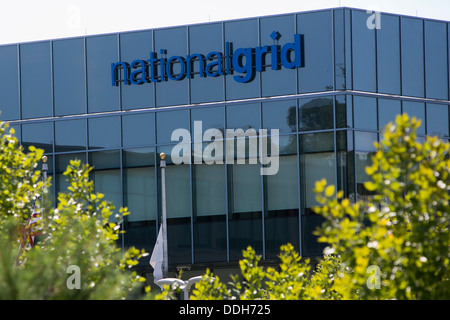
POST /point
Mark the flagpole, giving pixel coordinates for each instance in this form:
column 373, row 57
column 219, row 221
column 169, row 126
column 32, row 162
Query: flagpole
column 164, row 217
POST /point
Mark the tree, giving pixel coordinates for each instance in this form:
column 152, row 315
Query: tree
column 395, row 245
column 76, row 256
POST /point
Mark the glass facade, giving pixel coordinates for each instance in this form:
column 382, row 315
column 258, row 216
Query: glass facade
column 323, row 118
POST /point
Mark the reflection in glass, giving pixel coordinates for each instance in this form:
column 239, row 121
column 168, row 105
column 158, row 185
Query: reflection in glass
column 280, row 115
column 39, row 135
column 178, row 206
column 388, row 109
column 315, row 114
column 344, row 111
column 281, row 196
column 244, row 116
column 317, row 162
column 139, row 188
column 168, row 122
column 70, row 135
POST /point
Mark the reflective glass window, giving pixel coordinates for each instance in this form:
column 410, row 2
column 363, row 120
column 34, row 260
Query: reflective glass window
column 436, row 56
column 363, row 52
column 388, row 109
column 178, row 206
column 413, row 81
column 9, row 83
column 365, row 140
column 417, row 110
column 39, row 135
column 339, row 49
column 437, row 119
column 106, row 176
column 281, row 81
column 204, row 39
column 344, row 111
column 36, row 80
column 317, row 162
column 136, row 46
column 210, row 234
column 345, row 163
column 388, row 54
column 363, row 160
column 207, row 118
column 173, row 42
column 167, row 122
column 101, row 51
column 315, row 113
column 139, row 190
column 69, row 77
column 70, row 135
column 138, row 129
column 365, row 112
column 281, row 197
column 104, row 132
column 62, row 161
column 238, row 39
column 245, row 222
column 244, row 116
column 317, row 73
column 281, row 115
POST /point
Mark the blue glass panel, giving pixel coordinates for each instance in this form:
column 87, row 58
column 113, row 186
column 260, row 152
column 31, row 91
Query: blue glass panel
column 363, row 53
column 365, row 113
column 315, row 114
column 317, row 31
column 101, row 52
column 239, row 39
column 244, row 116
column 70, row 135
column 413, row 79
column 437, row 120
column 136, row 46
column 436, row 56
column 211, row 118
column 280, row 115
column 36, row 80
column 39, row 135
column 174, row 41
column 138, row 129
column 104, row 132
column 168, row 121
column 205, row 89
column 388, row 55
column 9, row 83
column 417, row 110
column 69, row 77
column 282, row 81
column 339, row 49
column 388, row 110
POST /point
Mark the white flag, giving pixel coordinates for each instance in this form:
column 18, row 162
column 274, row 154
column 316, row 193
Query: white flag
column 157, row 258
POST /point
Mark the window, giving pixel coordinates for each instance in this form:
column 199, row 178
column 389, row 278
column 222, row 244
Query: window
column 315, row 114
column 317, row 31
column 388, row 55
column 136, row 46
column 280, row 115
column 39, row 135
column 69, row 77
column 70, row 135
column 104, row 132
column 138, row 129
column 9, row 84
column 101, row 51
column 436, row 60
column 413, row 81
column 365, row 113
column 36, row 80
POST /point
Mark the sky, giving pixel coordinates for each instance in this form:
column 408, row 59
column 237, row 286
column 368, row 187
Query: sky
column 34, row 20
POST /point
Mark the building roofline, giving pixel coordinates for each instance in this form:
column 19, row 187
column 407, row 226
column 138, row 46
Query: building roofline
column 216, row 22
